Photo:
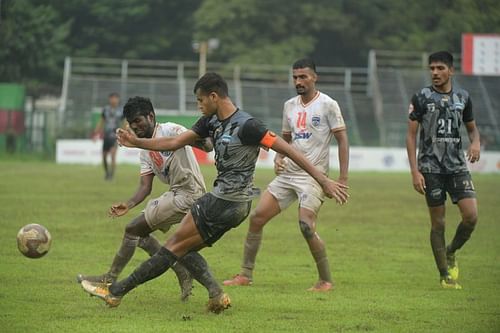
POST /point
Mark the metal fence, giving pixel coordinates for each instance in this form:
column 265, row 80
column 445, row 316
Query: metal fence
column 396, row 76
column 258, row 89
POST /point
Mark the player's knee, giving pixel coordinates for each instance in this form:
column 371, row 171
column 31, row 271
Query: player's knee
column 131, row 229
column 438, row 224
column 257, row 220
column 306, row 229
column 470, row 219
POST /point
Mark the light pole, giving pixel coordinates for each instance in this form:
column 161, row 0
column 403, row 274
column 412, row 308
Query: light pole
column 203, row 48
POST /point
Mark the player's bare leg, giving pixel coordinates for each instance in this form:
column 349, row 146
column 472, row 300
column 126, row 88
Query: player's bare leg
column 184, row 240
column 266, row 209
column 468, row 210
column 105, row 164
column 137, row 233
column 112, row 152
column 307, row 224
column 438, row 245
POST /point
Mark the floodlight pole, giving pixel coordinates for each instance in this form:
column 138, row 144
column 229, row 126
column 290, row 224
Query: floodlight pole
column 203, row 50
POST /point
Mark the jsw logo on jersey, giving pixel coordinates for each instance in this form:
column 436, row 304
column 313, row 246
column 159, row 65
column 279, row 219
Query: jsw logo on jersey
column 302, row 135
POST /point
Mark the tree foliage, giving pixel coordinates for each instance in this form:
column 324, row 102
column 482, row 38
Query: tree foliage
column 36, row 35
column 32, row 42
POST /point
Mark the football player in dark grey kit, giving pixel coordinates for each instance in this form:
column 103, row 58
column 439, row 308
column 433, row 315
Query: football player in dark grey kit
column 237, row 138
column 111, row 119
column 439, row 112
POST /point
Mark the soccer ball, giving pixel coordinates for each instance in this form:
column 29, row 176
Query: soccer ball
column 33, row 240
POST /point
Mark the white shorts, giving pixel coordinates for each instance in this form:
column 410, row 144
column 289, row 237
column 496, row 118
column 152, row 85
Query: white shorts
column 169, row 209
column 287, row 189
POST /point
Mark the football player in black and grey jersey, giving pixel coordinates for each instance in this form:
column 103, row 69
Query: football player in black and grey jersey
column 437, row 113
column 111, row 119
column 237, row 138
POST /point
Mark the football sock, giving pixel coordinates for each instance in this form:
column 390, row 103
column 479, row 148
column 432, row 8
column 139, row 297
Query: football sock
column 155, row 266
column 322, row 264
column 151, row 245
column 252, row 244
column 198, row 267
column 462, row 235
column 439, row 250
column 124, row 254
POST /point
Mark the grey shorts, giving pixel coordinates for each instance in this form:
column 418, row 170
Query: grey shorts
column 214, row 216
column 169, row 209
column 109, row 141
column 459, row 186
column 287, row 189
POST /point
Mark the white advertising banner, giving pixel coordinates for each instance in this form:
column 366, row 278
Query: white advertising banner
column 361, row 158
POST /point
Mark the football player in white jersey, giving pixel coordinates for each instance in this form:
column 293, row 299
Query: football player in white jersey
column 179, row 169
column 310, row 120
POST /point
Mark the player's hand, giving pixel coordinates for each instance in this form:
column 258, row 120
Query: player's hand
column 126, row 137
column 335, row 190
column 342, row 180
column 117, row 210
column 473, row 153
column 279, row 165
column 418, row 182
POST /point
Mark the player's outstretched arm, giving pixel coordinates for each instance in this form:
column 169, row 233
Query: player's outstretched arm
column 128, row 138
column 144, row 189
column 474, row 151
column 204, row 144
column 331, row 188
column 411, row 149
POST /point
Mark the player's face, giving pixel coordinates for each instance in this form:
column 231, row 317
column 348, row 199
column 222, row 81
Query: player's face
column 207, row 104
column 440, row 74
column 114, row 101
column 143, row 126
column 304, row 80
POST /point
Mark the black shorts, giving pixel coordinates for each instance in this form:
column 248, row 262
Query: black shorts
column 109, row 141
column 214, row 217
column 459, row 186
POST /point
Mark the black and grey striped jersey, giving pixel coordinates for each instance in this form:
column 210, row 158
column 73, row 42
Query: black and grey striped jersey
column 440, row 116
column 236, row 146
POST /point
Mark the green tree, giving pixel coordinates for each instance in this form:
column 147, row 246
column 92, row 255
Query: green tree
column 134, row 29
column 32, row 43
column 266, row 32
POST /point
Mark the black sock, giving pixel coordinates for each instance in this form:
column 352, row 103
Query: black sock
column 198, row 267
column 462, row 235
column 148, row 270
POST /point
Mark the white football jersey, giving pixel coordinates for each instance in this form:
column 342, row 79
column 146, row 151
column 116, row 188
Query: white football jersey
column 311, row 126
column 179, row 168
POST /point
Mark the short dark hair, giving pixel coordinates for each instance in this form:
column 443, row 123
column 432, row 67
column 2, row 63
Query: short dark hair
column 442, row 56
column 138, row 106
column 113, row 94
column 305, row 63
column 212, row 82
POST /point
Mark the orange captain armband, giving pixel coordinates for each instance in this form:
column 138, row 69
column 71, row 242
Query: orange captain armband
column 268, row 139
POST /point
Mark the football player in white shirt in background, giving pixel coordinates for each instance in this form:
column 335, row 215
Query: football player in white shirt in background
column 310, row 120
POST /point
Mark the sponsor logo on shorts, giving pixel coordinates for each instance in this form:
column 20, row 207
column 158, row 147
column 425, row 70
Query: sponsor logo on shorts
column 436, row 193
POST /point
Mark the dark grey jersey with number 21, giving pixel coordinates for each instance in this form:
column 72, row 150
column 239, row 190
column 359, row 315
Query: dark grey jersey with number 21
column 440, row 117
